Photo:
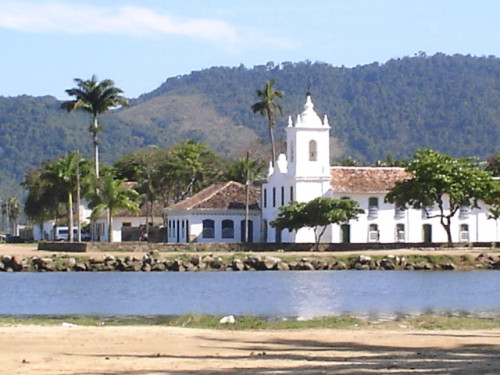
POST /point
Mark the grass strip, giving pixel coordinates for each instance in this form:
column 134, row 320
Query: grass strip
column 422, row 322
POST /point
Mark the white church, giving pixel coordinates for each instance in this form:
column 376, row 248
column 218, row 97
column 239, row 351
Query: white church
column 219, row 214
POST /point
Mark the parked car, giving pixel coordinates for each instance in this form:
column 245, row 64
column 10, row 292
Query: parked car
column 61, row 234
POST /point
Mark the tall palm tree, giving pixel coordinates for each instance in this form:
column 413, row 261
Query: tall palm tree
column 110, row 196
column 95, row 97
column 269, row 108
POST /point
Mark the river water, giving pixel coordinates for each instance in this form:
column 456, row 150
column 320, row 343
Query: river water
column 372, row 294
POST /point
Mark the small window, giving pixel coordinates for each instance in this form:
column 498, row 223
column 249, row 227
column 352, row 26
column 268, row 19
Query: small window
column 400, row 233
column 126, row 224
column 373, row 234
column 464, row 212
column 264, row 198
column 208, row 228
column 373, row 207
column 227, row 229
column 291, row 193
column 464, row 233
column 274, row 197
column 282, row 195
column 313, row 152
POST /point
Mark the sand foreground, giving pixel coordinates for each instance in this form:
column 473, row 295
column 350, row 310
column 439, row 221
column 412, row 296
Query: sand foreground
column 144, row 350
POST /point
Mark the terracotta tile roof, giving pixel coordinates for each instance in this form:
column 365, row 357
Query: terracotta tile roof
column 365, row 179
column 226, row 195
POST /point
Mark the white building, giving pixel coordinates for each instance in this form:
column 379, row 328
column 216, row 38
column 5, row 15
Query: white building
column 303, row 174
column 216, row 214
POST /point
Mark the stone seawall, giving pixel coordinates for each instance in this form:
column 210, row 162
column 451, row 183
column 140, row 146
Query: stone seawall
column 153, row 262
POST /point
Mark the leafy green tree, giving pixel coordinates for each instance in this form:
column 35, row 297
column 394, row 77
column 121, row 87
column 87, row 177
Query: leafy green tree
column 111, row 195
column 317, row 214
column 443, row 181
column 43, row 201
column 96, row 98
column 268, row 107
column 189, row 167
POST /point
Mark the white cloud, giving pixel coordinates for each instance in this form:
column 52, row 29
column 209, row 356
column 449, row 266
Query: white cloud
column 67, row 18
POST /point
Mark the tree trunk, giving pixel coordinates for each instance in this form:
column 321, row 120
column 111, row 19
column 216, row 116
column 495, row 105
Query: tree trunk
column 94, row 130
column 447, row 227
column 70, row 217
column 273, row 147
column 110, row 226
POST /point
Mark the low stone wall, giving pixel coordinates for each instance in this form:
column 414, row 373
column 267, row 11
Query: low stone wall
column 153, row 261
column 70, row 247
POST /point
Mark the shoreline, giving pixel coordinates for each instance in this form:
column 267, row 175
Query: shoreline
column 155, row 261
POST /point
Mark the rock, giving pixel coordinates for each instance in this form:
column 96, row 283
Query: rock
column 196, row 260
column 158, row 267
column 80, row 266
column 364, row 259
column 448, row 266
column 269, row 263
column 338, row 266
column 305, row 266
column 362, row 266
column 237, row 265
column 387, row 264
column 423, row 266
column 319, row 264
column 146, row 267
column 283, row 266
column 70, row 262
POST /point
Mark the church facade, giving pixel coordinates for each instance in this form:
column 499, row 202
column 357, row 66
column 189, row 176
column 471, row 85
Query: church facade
column 304, row 173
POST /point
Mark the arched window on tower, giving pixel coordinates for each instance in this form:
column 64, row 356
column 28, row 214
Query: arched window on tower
column 313, row 152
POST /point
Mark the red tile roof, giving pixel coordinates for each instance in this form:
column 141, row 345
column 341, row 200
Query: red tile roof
column 226, row 195
column 365, row 179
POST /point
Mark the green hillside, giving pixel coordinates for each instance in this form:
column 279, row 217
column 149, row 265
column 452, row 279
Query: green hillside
column 448, row 103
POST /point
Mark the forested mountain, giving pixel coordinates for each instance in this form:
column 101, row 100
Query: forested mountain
column 447, row 103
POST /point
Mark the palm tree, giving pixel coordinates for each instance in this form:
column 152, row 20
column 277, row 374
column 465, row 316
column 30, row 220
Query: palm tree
column 110, row 196
column 63, row 175
column 268, row 107
column 96, row 98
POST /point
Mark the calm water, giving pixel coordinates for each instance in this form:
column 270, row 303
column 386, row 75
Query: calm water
column 375, row 294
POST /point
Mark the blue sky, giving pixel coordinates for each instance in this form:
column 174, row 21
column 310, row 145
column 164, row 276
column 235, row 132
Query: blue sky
column 141, row 43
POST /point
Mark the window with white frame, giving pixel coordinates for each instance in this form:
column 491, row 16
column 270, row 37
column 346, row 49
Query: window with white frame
column 373, row 233
column 464, row 233
column 400, row 233
column 373, row 207
column 208, row 228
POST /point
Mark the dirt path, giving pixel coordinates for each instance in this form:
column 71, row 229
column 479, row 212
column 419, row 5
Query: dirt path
column 28, row 250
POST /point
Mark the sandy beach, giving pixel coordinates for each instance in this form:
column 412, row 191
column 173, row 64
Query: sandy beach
column 168, row 350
